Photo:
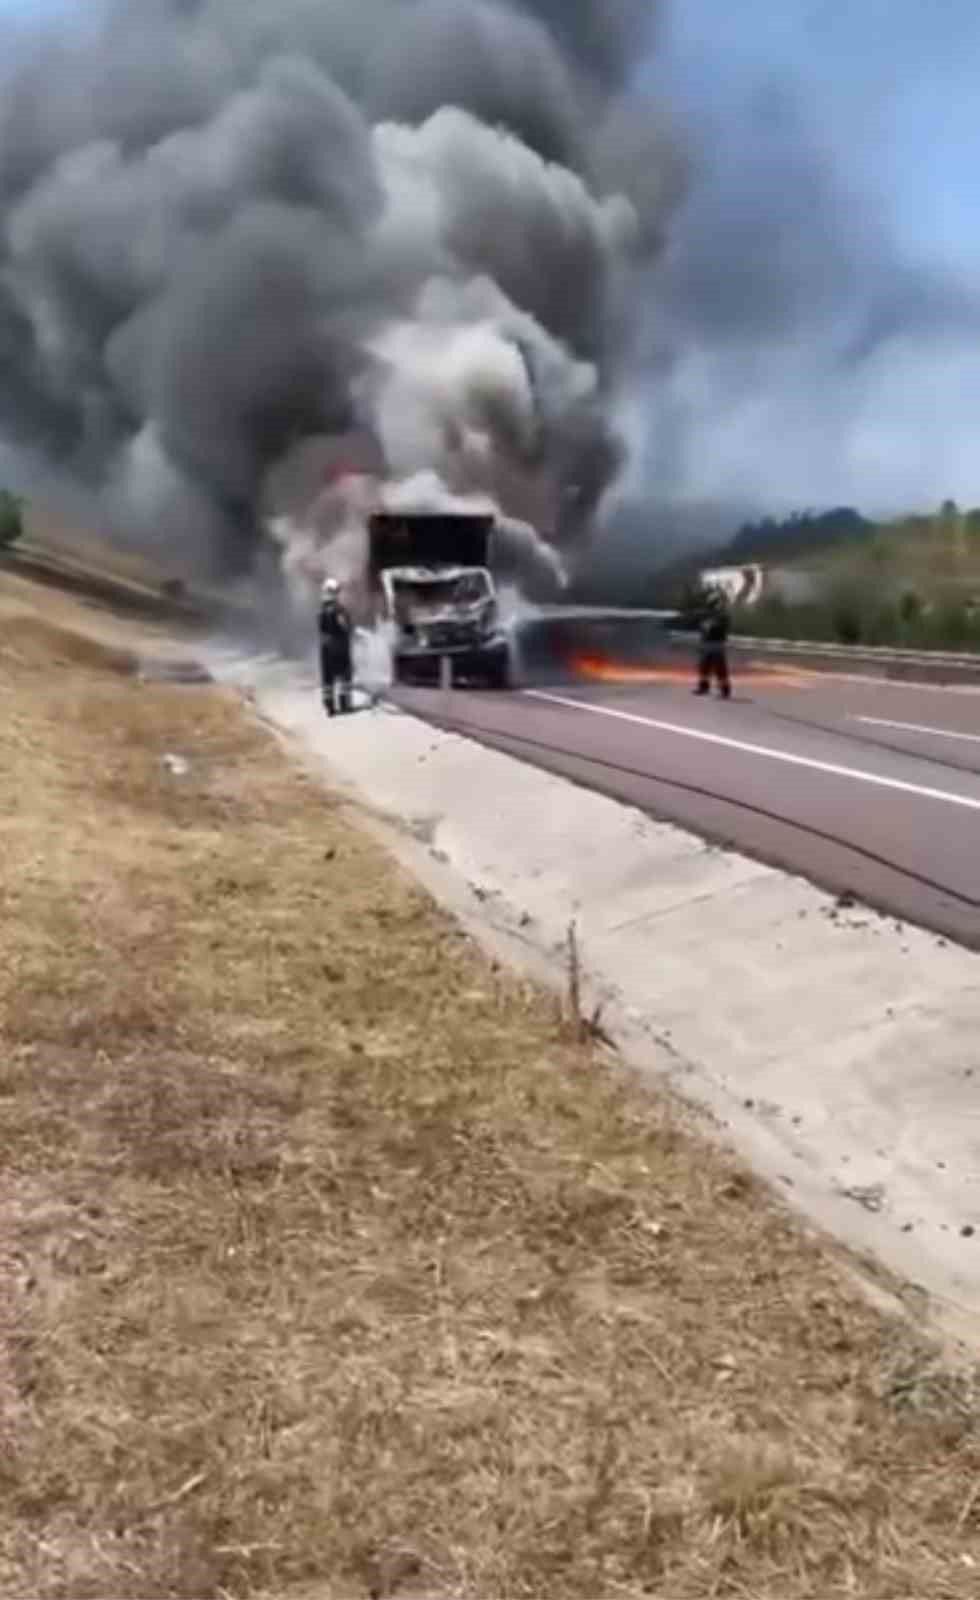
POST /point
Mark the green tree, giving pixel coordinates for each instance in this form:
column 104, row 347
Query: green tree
column 910, row 608
column 11, row 517
column 847, row 608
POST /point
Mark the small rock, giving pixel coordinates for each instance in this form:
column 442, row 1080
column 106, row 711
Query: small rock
column 967, row 1232
column 176, row 765
column 871, row 1196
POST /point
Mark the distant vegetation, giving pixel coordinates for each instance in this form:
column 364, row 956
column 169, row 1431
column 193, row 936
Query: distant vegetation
column 850, row 612
column 837, row 576
column 800, row 534
column 11, row 517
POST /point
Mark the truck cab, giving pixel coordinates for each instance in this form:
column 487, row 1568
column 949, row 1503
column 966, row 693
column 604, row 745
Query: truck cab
column 434, row 590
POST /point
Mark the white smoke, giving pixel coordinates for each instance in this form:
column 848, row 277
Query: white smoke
column 331, row 538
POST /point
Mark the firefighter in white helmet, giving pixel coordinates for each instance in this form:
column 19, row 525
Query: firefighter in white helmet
column 714, row 627
column 335, row 648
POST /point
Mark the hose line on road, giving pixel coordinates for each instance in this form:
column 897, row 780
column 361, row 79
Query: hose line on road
column 481, row 734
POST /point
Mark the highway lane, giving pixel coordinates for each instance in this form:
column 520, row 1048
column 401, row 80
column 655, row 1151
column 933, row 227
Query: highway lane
column 867, row 788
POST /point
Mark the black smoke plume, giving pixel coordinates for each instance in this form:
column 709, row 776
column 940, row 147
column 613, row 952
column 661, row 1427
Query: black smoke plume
column 234, row 225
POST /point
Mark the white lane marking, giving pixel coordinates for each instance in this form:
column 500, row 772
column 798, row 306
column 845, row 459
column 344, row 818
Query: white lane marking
column 918, row 727
column 831, row 767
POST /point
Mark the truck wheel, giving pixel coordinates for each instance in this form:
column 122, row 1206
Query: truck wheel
column 498, row 672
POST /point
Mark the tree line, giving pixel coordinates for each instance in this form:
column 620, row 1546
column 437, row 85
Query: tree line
column 911, row 582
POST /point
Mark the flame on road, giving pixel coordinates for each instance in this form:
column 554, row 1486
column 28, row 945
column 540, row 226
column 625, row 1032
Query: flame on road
column 603, row 669
column 598, row 668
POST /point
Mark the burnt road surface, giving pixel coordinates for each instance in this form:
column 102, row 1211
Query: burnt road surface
column 867, row 788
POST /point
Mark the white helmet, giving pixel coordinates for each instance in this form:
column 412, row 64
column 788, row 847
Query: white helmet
column 329, row 589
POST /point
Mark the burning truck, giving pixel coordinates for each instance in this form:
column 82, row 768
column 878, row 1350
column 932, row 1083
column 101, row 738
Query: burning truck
column 429, row 570
column 432, row 591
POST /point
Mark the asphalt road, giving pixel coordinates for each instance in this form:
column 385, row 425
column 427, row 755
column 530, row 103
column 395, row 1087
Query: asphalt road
column 867, row 788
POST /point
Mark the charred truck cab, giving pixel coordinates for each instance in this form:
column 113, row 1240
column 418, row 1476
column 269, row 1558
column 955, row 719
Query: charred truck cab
column 432, row 585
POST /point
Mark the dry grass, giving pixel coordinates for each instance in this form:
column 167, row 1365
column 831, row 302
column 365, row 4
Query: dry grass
column 330, row 1269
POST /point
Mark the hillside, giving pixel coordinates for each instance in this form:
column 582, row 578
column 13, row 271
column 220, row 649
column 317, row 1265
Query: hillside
column 912, row 581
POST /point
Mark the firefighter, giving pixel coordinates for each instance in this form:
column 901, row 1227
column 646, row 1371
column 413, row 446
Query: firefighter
column 335, row 649
column 713, row 661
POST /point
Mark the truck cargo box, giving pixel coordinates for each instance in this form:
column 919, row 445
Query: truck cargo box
column 424, row 539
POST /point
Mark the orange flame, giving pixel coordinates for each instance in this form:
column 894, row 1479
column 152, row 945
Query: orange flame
column 601, row 669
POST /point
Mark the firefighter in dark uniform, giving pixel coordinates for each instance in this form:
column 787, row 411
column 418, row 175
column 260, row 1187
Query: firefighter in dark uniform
column 335, row 649
column 715, row 625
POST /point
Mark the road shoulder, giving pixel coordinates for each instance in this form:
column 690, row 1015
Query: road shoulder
column 833, row 1046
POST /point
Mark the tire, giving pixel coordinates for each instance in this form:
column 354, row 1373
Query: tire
column 497, row 674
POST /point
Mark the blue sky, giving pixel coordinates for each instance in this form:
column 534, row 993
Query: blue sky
column 891, row 85
column 837, row 169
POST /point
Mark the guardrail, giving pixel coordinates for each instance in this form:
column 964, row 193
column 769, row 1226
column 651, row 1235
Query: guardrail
column 873, row 652
column 61, row 571
column 925, row 666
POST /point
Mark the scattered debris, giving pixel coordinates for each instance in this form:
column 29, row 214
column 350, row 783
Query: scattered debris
column 871, row 1196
